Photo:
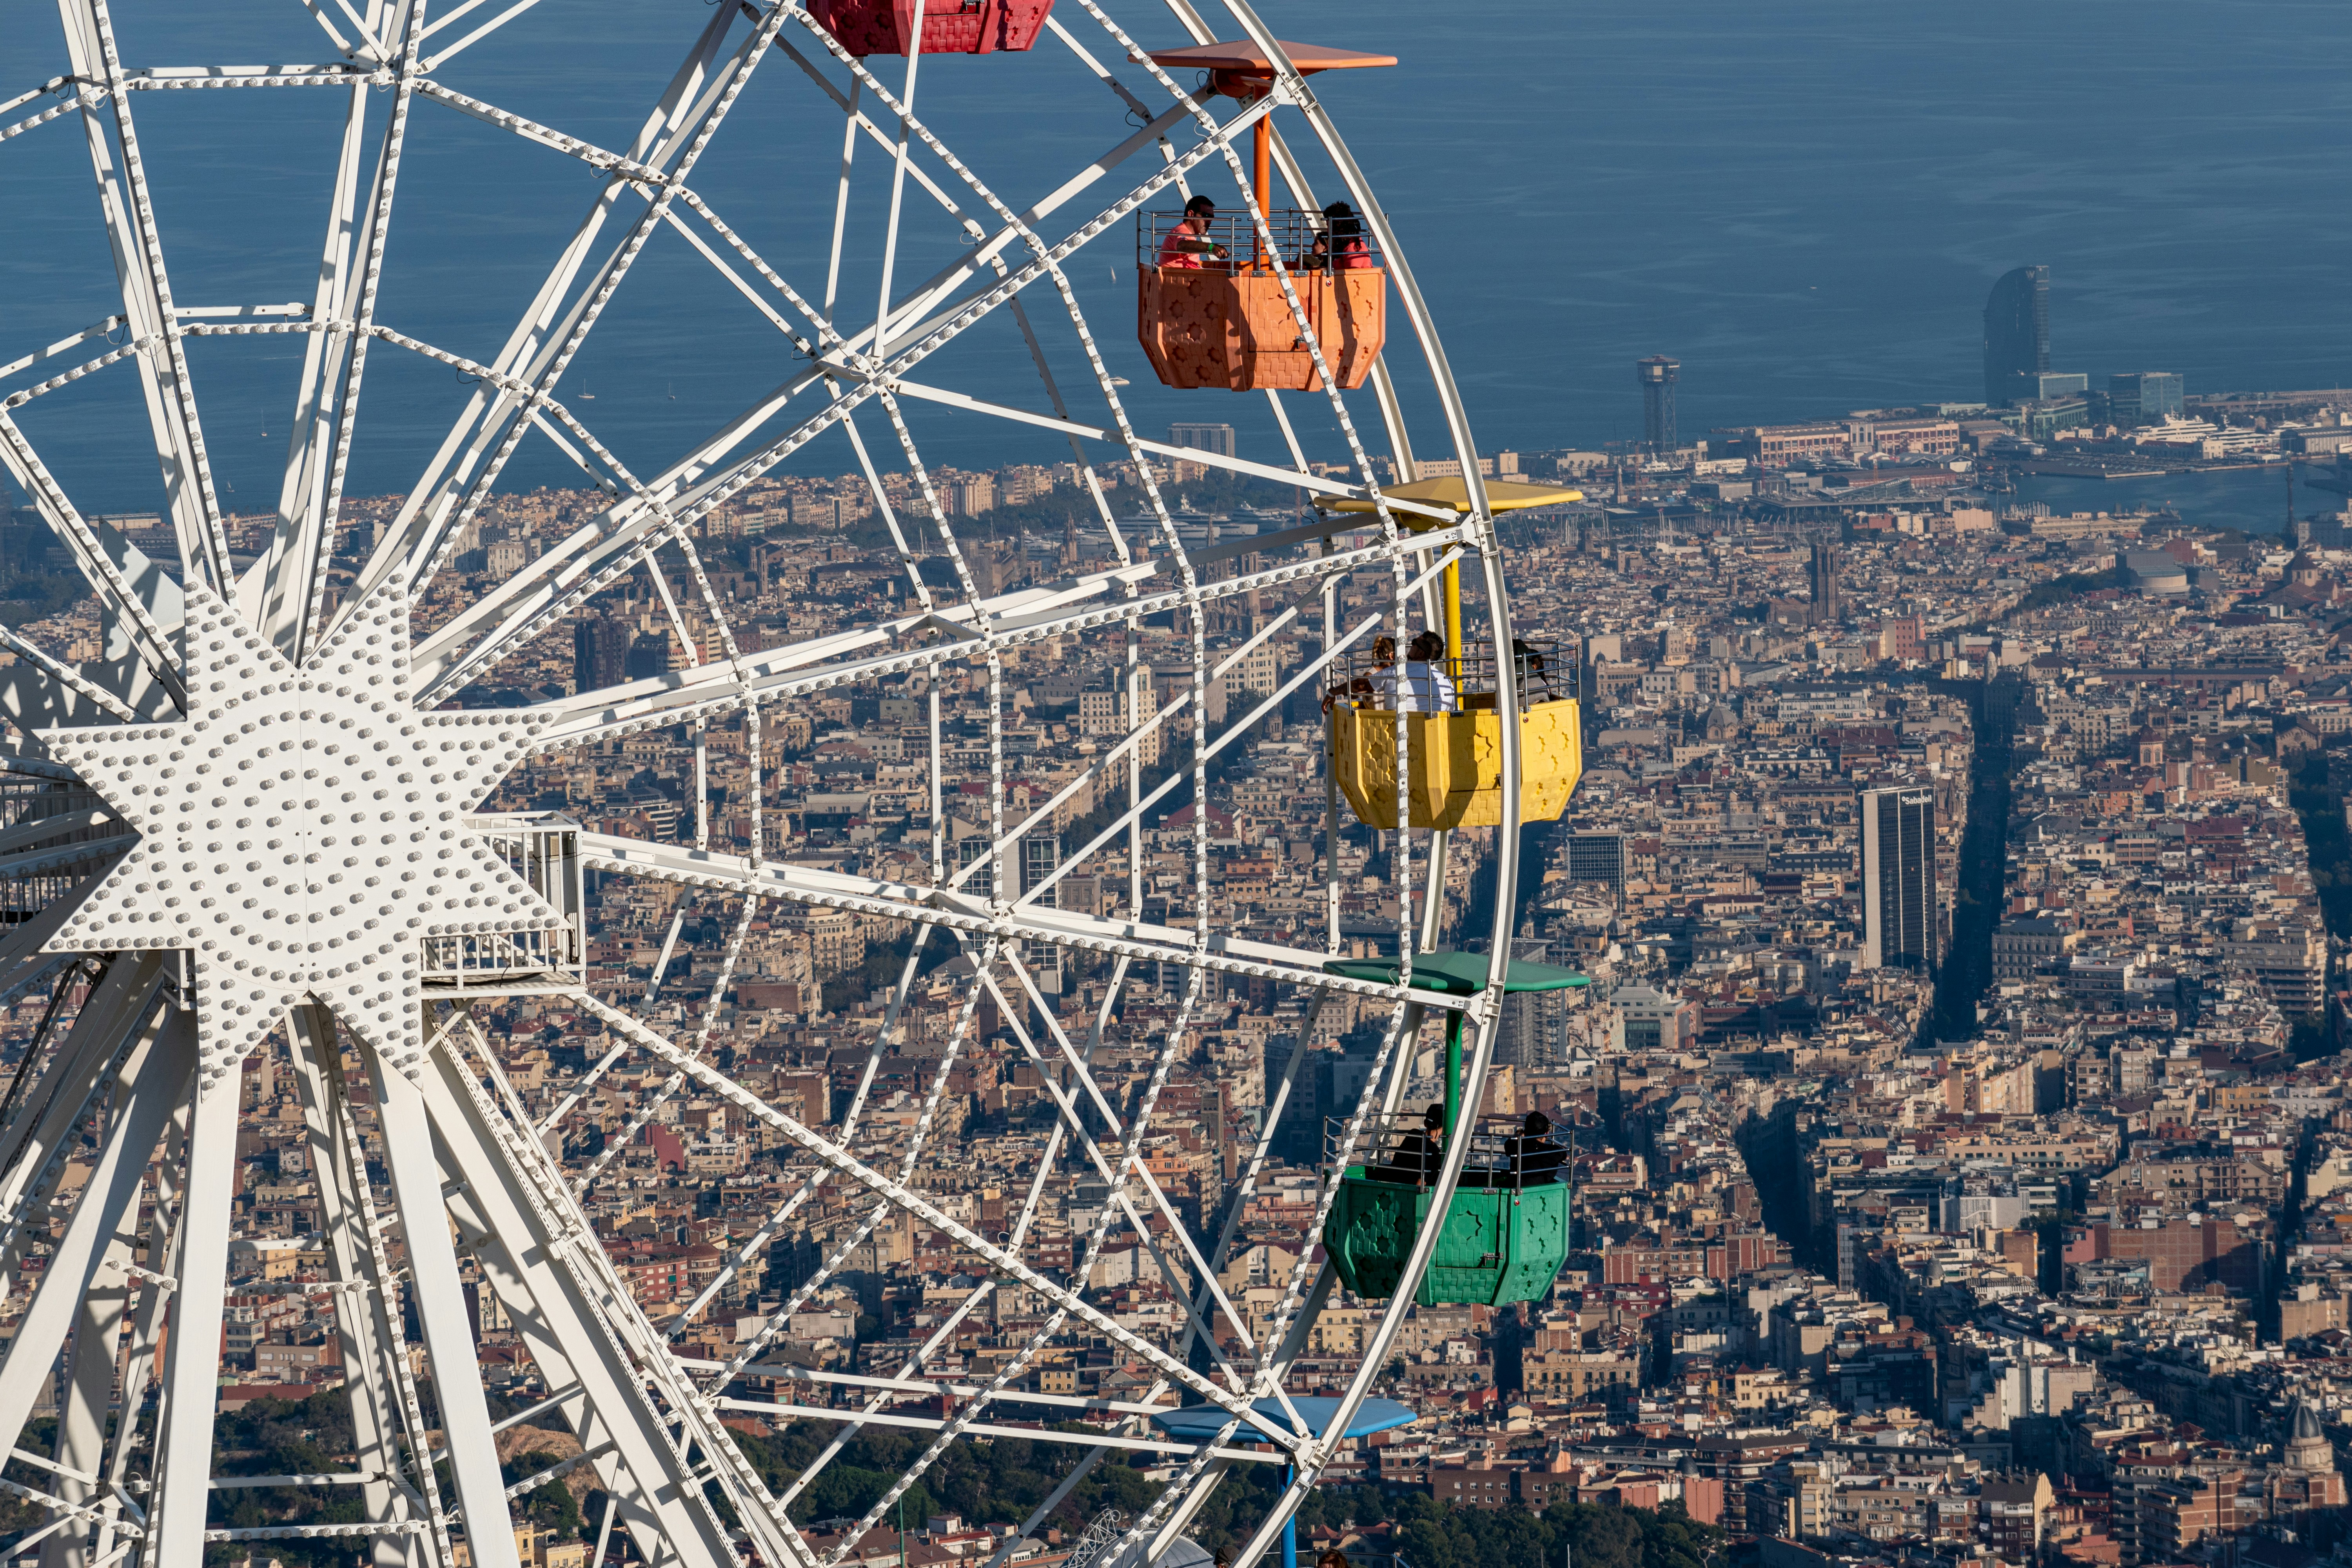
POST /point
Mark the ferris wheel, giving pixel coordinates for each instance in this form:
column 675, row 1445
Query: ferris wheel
column 261, row 805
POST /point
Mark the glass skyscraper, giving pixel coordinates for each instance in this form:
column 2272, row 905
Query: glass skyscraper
column 2144, row 398
column 2016, row 331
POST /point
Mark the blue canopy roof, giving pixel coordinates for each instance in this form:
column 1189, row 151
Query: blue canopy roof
column 1202, row 1422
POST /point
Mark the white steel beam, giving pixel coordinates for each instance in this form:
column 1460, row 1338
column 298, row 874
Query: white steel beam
column 1223, row 951
column 272, row 596
column 417, row 531
column 192, row 1356
column 440, row 1301
column 779, row 674
column 44, row 1120
column 915, row 1203
column 89, row 1389
column 129, row 220
column 683, row 143
column 362, row 1322
column 693, row 486
column 552, row 1270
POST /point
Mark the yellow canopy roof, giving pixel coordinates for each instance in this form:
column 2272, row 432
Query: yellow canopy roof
column 1502, row 495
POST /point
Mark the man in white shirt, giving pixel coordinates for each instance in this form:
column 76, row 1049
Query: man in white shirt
column 1424, row 687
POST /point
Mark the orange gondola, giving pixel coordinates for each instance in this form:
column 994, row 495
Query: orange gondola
column 1226, row 322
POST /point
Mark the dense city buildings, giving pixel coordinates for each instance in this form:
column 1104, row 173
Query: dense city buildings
column 1960, row 1153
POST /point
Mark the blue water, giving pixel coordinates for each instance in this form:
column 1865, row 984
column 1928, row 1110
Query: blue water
column 1804, row 202
column 2253, row 499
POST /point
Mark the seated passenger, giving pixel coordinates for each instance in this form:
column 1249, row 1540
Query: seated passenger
column 1418, row 1154
column 1536, row 1159
column 1533, row 671
column 1189, row 240
column 1349, row 251
column 1340, row 245
column 1383, row 661
column 1426, row 688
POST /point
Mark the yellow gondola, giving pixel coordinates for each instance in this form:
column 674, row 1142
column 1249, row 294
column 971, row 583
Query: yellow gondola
column 1457, row 758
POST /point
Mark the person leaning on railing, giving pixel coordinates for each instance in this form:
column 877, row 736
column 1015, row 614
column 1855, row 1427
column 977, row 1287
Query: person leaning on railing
column 1189, row 240
column 1533, row 670
column 1383, row 658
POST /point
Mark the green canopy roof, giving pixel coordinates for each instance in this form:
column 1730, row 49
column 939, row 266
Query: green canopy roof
column 1458, row 973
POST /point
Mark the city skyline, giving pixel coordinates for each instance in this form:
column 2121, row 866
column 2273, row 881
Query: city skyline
column 702, row 867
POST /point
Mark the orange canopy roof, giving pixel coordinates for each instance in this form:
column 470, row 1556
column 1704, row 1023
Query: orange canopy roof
column 1246, row 57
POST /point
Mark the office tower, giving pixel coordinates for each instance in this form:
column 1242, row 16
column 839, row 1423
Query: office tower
column 1657, row 374
column 1217, row 438
column 1821, row 573
column 649, row 656
column 2016, row 330
column 979, row 883
column 1599, row 858
column 1898, row 879
column 2145, row 396
column 2047, row 386
column 1041, row 854
column 1535, row 1023
column 600, row 653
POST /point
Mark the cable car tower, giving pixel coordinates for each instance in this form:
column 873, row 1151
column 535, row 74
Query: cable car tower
column 267, row 814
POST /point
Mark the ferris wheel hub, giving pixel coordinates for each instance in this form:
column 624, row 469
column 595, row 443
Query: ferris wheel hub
column 302, row 830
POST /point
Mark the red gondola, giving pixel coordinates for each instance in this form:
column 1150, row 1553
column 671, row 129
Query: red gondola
column 949, row 26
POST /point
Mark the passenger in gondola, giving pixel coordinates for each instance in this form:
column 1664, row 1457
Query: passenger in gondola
column 1532, row 669
column 1340, row 245
column 1363, row 686
column 1189, row 240
column 1418, row 1154
column 1425, row 687
column 1535, row 1158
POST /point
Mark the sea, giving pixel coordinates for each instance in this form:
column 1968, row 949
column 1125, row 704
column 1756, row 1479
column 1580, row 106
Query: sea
column 1803, row 203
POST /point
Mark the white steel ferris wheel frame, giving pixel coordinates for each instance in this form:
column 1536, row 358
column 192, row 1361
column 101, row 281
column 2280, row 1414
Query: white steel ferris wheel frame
column 202, row 690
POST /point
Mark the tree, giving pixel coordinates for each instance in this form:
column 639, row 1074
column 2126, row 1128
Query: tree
column 1442, row 1535
column 549, row 1504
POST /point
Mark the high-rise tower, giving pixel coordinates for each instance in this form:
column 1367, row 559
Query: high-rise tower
column 600, row 653
column 1535, row 1023
column 1898, row 879
column 2016, row 330
column 1599, row 858
column 1822, row 574
column 1657, row 374
column 1203, row 437
column 1041, row 855
column 2144, row 398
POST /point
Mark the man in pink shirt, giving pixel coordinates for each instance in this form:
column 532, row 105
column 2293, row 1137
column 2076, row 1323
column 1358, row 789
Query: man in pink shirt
column 1188, row 241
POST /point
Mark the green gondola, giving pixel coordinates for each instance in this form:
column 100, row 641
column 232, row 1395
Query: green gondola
column 1501, row 1241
